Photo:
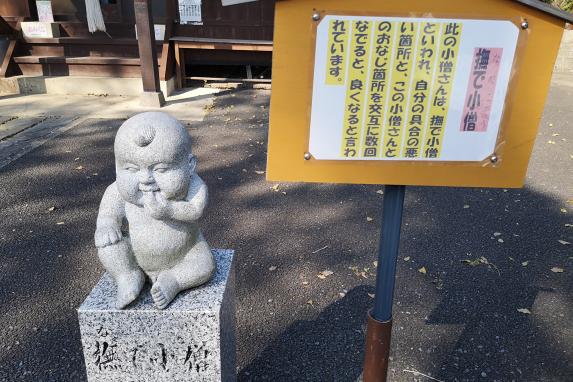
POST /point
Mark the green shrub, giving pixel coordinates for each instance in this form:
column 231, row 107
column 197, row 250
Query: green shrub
column 566, row 5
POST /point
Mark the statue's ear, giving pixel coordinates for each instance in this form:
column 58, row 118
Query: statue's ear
column 192, row 163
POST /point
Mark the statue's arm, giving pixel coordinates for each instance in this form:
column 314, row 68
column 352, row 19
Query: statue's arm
column 110, row 217
column 192, row 208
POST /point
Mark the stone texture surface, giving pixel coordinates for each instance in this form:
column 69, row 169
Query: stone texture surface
column 564, row 62
column 192, row 340
column 152, row 99
column 159, row 194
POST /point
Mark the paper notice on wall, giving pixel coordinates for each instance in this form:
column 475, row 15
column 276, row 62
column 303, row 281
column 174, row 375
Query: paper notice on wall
column 190, row 12
column 45, row 13
column 391, row 88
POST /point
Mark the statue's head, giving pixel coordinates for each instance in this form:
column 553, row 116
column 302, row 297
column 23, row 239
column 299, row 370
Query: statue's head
column 153, row 154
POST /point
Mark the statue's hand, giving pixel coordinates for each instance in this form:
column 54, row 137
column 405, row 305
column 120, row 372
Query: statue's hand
column 107, row 235
column 157, row 205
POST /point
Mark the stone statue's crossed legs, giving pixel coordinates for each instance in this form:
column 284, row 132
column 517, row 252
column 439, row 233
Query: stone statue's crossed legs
column 196, row 268
column 119, row 261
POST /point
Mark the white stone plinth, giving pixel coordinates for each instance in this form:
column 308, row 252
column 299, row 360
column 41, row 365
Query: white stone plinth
column 193, row 339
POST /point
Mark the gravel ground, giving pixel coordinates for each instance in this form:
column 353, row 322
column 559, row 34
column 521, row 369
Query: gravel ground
column 457, row 322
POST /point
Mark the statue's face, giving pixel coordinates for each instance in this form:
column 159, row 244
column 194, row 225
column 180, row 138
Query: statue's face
column 161, row 166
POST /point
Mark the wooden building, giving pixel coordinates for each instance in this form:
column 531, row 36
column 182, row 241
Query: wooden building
column 237, row 35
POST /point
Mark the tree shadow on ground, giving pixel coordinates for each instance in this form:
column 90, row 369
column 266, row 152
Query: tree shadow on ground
column 454, row 318
column 327, row 348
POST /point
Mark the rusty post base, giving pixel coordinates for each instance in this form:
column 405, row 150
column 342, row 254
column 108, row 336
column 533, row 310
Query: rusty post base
column 377, row 349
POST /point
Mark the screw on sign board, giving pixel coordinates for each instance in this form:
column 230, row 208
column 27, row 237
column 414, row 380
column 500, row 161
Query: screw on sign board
column 413, row 92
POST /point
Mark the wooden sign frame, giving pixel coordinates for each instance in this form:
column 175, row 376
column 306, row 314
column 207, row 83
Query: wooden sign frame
column 293, row 60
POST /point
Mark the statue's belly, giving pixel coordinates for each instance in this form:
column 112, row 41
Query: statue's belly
column 158, row 245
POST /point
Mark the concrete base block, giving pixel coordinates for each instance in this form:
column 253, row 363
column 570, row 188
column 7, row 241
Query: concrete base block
column 65, row 85
column 152, row 99
column 193, row 339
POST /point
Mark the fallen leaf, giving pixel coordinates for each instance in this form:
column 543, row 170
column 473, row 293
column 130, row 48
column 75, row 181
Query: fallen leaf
column 555, row 134
column 305, row 283
column 569, row 225
column 244, row 170
column 275, row 188
column 51, row 209
column 342, row 294
column 369, row 219
column 371, row 295
column 375, row 264
column 481, row 261
column 60, row 223
column 524, row 311
column 466, row 206
column 564, row 242
column 550, row 125
column 423, row 270
column 570, row 201
column 472, row 263
column 259, row 172
column 551, row 142
column 564, row 210
column 496, row 234
column 320, row 249
column 500, row 240
column 324, row 274
column 525, row 263
column 381, row 192
column 272, row 268
column 310, row 302
column 79, row 168
column 407, row 258
column 557, row 270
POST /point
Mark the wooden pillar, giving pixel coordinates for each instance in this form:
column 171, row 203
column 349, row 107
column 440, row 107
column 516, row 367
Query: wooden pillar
column 166, row 67
column 152, row 95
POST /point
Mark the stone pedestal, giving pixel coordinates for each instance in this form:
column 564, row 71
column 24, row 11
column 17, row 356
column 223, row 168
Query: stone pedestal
column 152, row 99
column 193, row 339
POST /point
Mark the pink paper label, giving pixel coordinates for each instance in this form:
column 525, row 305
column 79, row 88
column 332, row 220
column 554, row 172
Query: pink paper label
column 481, row 89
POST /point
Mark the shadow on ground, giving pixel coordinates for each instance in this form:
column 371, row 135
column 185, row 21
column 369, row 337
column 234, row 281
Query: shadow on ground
column 456, row 322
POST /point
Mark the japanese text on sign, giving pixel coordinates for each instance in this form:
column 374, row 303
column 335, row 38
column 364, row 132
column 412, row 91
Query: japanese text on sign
column 404, row 90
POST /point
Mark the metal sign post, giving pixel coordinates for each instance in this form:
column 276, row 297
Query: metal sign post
column 413, row 92
column 379, row 329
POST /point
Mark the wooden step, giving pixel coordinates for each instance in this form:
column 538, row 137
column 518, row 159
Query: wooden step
column 72, row 46
column 92, row 66
column 82, row 41
column 87, row 60
column 80, row 29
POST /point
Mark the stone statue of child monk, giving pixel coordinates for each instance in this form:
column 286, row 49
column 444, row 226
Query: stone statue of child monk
column 161, row 197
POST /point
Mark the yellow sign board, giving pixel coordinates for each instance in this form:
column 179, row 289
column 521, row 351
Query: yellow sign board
column 386, row 95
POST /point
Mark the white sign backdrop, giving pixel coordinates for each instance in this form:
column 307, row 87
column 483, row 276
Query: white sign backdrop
column 342, row 125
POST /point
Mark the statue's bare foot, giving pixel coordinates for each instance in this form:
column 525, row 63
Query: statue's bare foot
column 164, row 289
column 129, row 286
